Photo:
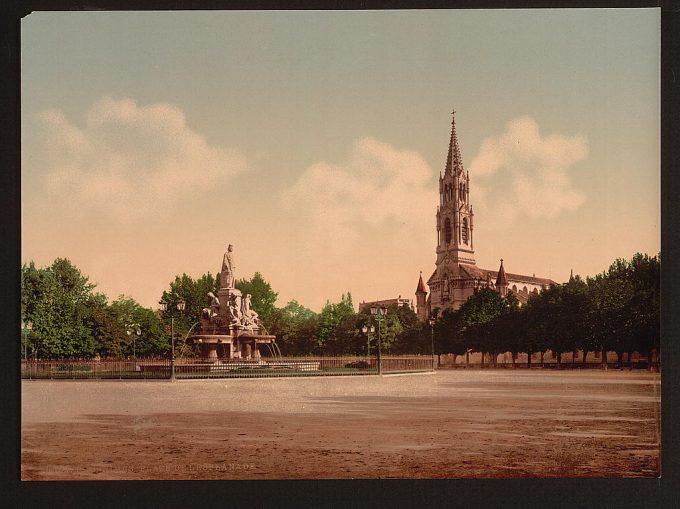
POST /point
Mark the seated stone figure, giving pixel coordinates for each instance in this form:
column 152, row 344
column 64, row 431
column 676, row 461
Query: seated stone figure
column 250, row 317
column 234, row 313
column 214, row 303
column 209, row 315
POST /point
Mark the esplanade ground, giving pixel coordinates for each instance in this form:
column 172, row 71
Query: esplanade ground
column 450, row 424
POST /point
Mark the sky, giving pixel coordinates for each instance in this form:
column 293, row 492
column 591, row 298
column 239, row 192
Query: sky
column 312, row 141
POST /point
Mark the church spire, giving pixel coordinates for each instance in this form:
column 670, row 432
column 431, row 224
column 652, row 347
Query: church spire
column 421, row 285
column 454, row 162
column 501, row 279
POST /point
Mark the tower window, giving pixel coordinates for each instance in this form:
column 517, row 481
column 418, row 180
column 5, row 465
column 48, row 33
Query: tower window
column 447, row 230
column 465, row 230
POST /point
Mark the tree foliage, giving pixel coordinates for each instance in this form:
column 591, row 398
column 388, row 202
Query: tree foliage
column 70, row 320
column 263, row 296
column 617, row 310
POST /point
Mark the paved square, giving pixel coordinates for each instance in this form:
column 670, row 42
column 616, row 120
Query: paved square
column 452, row 424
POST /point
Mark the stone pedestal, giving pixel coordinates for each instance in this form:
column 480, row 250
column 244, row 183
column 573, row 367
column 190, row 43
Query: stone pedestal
column 212, row 351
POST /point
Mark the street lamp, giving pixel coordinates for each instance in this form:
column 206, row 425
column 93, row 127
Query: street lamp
column 379, row 313
column 365, row 329
column 134, row 327
column 28, row 326
column 181, row 304
column 431, row 320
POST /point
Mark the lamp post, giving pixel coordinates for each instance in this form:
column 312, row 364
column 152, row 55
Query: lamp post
column 379, row 312
column 134, row 327
column 181, row 304
column 28, row 326
column 431, row 320
column 366, row 330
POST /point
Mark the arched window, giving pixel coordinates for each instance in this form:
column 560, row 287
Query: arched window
column 465, row 230
column 447, row 230
column 514, row 288
column 525, row 290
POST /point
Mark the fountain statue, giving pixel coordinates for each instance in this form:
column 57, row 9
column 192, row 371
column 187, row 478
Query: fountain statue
column 230, row 327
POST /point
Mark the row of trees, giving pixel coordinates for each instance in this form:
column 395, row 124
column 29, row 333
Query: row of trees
column 617, row 310
column 63, row 316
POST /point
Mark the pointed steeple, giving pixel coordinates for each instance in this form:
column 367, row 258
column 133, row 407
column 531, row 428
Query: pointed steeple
column 502, row 279
column 421, row 285
column 454, row 162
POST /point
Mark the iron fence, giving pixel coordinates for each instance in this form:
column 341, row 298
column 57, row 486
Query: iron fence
column 187, row 368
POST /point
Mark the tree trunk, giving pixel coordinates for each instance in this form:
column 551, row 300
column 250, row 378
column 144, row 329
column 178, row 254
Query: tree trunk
column 513, row 359
column 583, row 361
column 482, row 364
column 650, row 360
column 573, row 358
column 559, row 360
column 619, row 359
column 604, row 359
column 467, row 359
column 542, row 354
column 529, row 359
column 495, row 359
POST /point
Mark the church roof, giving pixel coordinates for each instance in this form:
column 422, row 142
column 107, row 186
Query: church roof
column 472, row 272
column 522, row 297
column 501, row 278
column 453, row 160
column 421, row 285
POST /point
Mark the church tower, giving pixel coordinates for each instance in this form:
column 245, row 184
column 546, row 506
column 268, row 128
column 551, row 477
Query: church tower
column 454, row 213
column 452, row 281
column 456, row 276
column 421, row 303
column 502, row 281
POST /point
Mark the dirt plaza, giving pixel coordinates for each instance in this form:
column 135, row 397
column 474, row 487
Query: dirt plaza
column 450, row 424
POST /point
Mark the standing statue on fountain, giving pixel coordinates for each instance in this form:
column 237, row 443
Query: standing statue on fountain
column 228, row 267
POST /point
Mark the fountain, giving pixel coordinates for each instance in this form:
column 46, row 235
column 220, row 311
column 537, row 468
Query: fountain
column 229, row 328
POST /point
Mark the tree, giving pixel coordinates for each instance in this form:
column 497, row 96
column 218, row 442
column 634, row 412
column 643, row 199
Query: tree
column 331, row 335
column 414, row 337
column 55, row 300
column 296, row 329
column 448, row 334
column 481, row 308
column 263, row 297
column 625, row 306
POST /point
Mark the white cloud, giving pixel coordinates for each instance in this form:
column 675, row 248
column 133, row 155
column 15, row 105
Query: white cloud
column 129, row 160
column 522, row 173
column 376, row 184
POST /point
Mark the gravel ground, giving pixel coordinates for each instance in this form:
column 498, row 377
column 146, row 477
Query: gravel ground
column 452, row 424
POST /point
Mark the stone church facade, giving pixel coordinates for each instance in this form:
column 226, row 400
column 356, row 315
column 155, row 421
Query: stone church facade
column 456, row 276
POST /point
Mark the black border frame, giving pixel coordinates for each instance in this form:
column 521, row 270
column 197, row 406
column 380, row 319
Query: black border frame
column 619, row 493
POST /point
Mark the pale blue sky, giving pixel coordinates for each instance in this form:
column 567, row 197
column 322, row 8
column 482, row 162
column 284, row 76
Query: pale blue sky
column 289, row 90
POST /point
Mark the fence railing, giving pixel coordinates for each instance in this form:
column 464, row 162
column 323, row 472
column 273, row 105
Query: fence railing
column 186, row 368
column 568, row 360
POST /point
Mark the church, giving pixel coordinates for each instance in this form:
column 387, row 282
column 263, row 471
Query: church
column 456, row 276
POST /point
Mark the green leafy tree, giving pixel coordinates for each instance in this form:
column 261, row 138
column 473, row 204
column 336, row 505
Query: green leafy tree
column 331, row 335
column 448, row 334
column 414, row 337
column 55, row 300
column 481, row 308
column 263, row 296
column 296, row 329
